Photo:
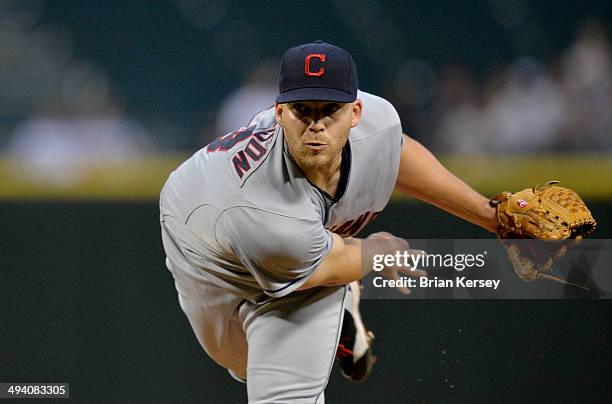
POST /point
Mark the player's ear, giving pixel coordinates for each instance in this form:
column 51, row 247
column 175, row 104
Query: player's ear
column 278, row 114
column 357, row 108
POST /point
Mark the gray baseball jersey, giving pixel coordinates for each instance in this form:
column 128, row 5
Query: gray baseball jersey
column 243, row 228
column 245, row 216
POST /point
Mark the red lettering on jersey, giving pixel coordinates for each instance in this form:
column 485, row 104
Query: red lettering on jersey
column 344, row 229
column 254, row 149
column 361, row 222
column 318, row 73
column 224, row 143
column 241, row 163
column 352, row 227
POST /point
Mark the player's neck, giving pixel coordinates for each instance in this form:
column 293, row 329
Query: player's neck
column 325, row 177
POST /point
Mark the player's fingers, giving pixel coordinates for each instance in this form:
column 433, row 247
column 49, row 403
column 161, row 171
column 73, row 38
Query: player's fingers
column 395, row 243
column 416, row 273
column 413, row 272
column 404, row 290
column 381, row 235
column 416, row 257
column 394, row 275
column 418, row 253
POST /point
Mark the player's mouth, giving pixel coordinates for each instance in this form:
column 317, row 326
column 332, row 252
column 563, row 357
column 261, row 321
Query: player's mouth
column 316, row 145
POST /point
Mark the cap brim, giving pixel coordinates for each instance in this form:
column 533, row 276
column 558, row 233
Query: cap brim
column 315, row 94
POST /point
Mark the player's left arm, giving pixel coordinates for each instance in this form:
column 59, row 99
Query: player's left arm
column 422, row 176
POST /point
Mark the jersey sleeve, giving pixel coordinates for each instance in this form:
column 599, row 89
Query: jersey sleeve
column 281, row 252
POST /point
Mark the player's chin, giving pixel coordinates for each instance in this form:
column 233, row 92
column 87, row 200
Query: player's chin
column 316, row 159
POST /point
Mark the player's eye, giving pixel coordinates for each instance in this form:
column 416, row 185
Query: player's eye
column 329, row 109
column 301, row 109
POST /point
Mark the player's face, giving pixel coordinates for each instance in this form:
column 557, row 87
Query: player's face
column 316, row 131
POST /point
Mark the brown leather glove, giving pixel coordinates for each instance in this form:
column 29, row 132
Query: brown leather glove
column 549, row 212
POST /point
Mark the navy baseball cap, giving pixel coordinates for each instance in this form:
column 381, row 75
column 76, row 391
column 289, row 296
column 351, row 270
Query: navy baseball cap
column 317, row 71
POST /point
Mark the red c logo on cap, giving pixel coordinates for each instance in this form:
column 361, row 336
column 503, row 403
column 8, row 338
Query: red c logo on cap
column 318, row 73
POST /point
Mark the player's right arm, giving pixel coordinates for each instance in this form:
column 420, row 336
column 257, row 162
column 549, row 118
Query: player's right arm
column 342, row 264
column 285, row 253
column 347, row 261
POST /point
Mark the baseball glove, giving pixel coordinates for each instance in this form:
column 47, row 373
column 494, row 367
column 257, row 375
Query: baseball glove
column 549, row 212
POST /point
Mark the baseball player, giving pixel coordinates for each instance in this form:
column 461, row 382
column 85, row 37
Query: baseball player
column 257, row 227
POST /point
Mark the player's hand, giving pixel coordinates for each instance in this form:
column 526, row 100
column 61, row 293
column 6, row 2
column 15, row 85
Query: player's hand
column 391, row 245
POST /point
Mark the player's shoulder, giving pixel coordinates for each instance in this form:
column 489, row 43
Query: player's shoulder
column 375, row 106
column 378, row 116
column 373, row 99
column 215, row 175
column 264, row 119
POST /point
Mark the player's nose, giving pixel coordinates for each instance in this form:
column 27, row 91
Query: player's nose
column 316, row 125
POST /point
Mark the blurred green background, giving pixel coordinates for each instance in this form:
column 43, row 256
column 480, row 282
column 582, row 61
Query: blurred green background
column 99, row 101
column 102, row 99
